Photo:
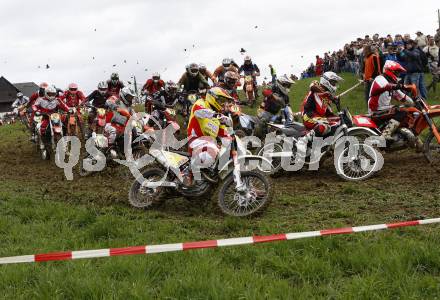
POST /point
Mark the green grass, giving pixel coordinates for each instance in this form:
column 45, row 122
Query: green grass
column 40, row 212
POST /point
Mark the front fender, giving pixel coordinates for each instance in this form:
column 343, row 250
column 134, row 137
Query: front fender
column 247, row 163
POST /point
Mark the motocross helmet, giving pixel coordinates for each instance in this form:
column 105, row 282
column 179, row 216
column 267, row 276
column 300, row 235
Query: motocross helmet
column 330, row 81
column 392, row 70
column 102, row 87
column 114, row 78
column 217, row 97
column 51, row 93
column 127, row 95
column 20, row 95
column 73, row 88
column 202, row 67
column 193, row 69
column 156, row 77
column 226, row 62
column 171, row 88
column 231, row 79
column 247, row 60
column 284, row 83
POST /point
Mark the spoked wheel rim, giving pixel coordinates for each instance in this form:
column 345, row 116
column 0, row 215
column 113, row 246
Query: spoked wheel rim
column 432, row 150
column 254, row 197
column 142, row 196
column 360, row 165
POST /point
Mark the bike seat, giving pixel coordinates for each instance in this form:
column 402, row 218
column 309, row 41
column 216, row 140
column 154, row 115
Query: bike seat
column 292, row 132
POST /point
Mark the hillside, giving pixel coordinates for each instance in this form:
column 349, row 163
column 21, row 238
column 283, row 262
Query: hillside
column 42, row 212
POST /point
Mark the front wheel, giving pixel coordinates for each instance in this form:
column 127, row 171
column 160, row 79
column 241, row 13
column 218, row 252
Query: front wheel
column 358, row 164
column 142, row 196
column 254, row 198
column 431, row 149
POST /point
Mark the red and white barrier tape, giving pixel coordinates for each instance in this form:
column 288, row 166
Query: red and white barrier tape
column 69, row 255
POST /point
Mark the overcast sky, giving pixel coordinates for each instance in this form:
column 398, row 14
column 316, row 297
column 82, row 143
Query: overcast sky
column 152, row 35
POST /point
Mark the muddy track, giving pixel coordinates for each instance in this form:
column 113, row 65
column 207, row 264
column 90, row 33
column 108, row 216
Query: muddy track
column 405, row 174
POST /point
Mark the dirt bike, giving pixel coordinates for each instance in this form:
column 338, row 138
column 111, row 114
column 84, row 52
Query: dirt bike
column 351, row 169
column 46, row 143
column 417, row 119
column 117, row 150
column 242, row 192
column 186, row 101
column 99, row 121
column 248, row 88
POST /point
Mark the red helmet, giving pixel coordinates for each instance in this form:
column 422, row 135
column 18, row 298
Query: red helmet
column 393, row 70
column 73, row 88
column 44, row 85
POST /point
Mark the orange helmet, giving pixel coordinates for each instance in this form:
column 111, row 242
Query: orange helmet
column 393, row 70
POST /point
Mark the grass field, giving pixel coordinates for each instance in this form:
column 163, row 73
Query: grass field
column 42, row 212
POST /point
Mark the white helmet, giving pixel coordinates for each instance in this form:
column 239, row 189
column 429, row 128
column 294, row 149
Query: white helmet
column 127, row 95
column 330, row 81
column 202, row 66
column 19, row 95
column 284, row 83
column 51, row 92
column 102, row 87
column 156, row 76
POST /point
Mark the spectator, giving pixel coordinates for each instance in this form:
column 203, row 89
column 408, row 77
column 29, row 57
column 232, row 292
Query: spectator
column 372, row 68
column 406, row 38
column 273, row 73
column 421, row 40
column 432, row 52
column 435, row 77
column 437, row 37
column 416, row 62
column 319, row 66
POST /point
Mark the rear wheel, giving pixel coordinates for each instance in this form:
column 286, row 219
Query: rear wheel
column 253, row 199
column 142, row 196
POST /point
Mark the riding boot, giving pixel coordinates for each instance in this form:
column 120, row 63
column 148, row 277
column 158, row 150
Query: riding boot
column 389, row 130
column 301, row 145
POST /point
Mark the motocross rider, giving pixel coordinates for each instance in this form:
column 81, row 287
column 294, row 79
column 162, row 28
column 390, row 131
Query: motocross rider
column 162, row 100
column 192, row 79
column 316, row 108
column 153, row 85
column 120, row 112
column 385, row 88
column 49, row 104
column 230, row 84
column 38, row 94
column 206, row 124
column 98, row 99
column 249, row 68
column 277, row 99
column 20, row 101
column 227, row 65
column 114, row 84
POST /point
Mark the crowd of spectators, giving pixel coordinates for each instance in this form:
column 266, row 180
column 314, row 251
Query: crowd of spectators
column 365, row 57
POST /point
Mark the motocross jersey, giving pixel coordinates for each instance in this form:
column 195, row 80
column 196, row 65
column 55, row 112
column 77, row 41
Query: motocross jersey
column 19, row 102
column 98, row 99
column 249, row 69
column 151, row 87
column 220, row 72
column 47, row 106
column 381, row 94
column 113, row 89
column 202, row 122
column 316, row 105
column 191, row 83
column 73, row 99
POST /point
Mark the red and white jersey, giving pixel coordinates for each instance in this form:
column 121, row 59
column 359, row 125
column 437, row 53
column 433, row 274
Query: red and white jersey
column 49, row 106
column 381, row 94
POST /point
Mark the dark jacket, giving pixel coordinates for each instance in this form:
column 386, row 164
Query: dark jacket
column 415, row 60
